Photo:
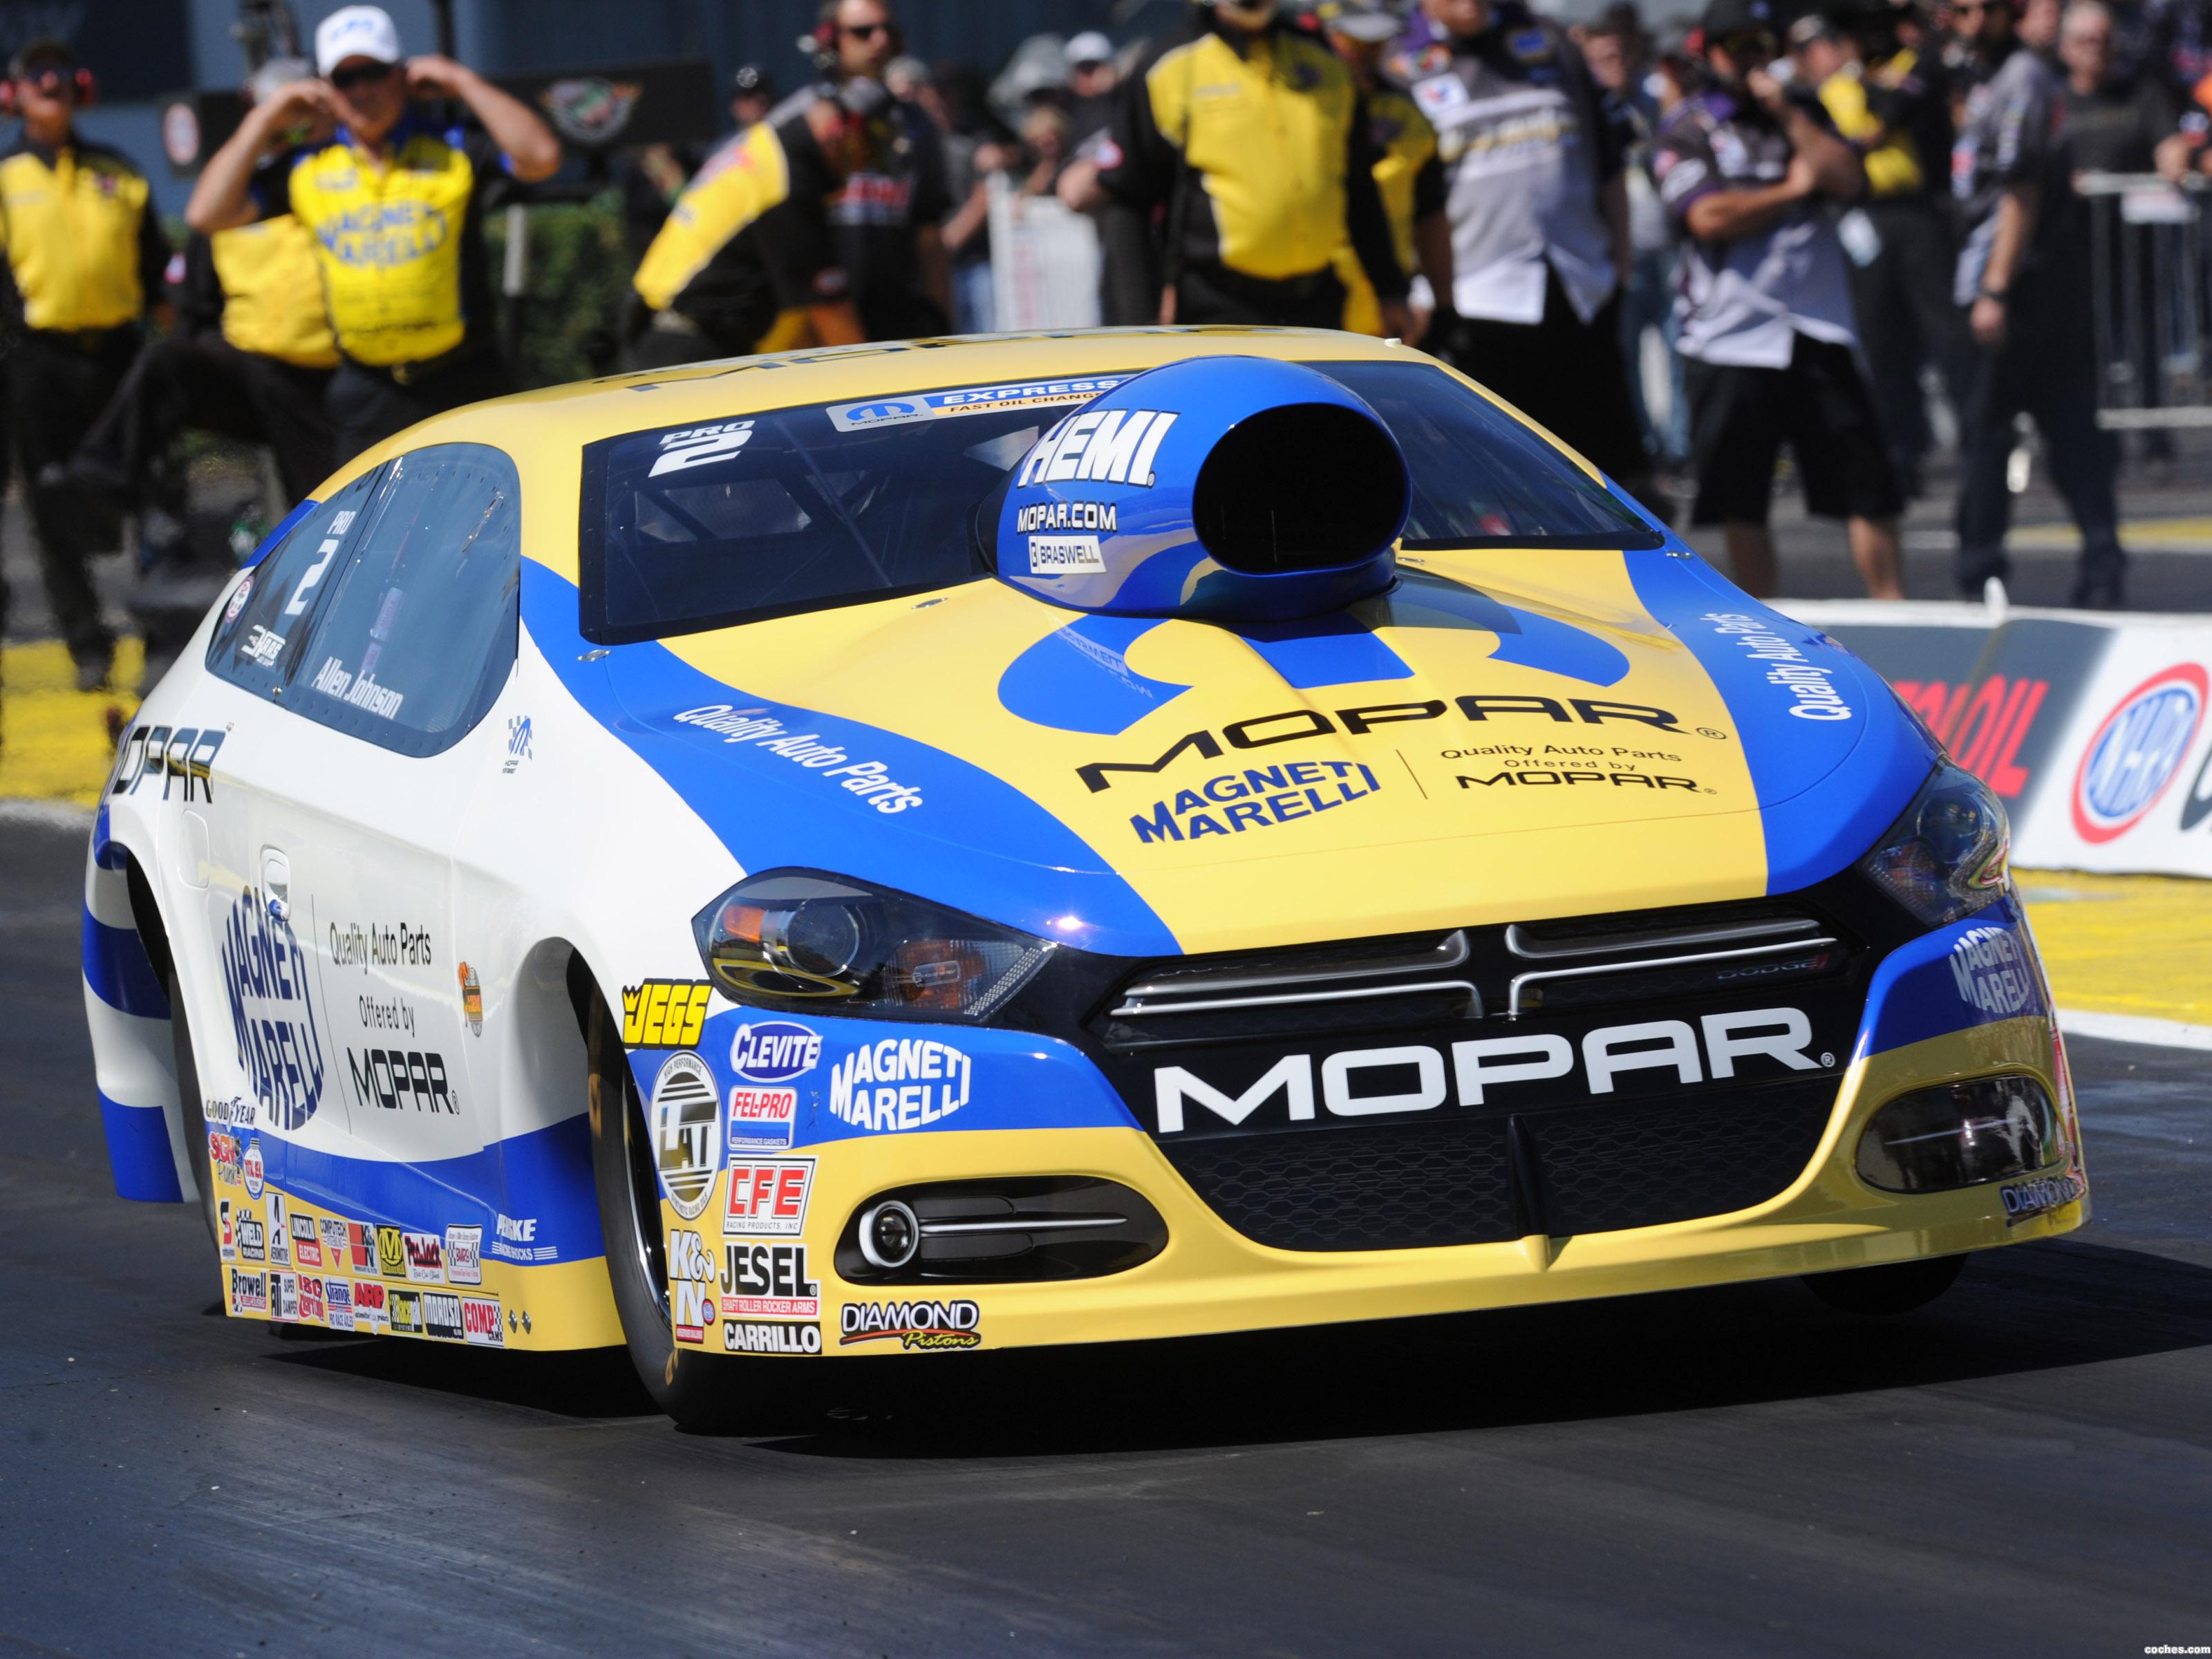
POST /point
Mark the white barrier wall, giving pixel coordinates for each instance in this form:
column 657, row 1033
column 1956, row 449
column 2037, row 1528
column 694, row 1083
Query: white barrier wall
column 2093, row 728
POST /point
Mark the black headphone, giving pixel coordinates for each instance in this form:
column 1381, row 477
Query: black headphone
column 81, row 82
column 822, row 44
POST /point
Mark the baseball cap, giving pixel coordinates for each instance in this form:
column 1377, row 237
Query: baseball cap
column 1723, row 18
column 1360, row 19
column 1090, row 48
column 356, row 32
column 46, row 49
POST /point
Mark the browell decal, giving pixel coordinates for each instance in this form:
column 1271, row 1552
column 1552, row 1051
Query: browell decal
column 2136, row 752
column 871, row 779
column 272, row 1014
column 1265, row 731
column 1420, row 1077
column 899, row 1084
column 911, row 1324
column 664, row 1013
column 249, row 1292
column 1257, row 798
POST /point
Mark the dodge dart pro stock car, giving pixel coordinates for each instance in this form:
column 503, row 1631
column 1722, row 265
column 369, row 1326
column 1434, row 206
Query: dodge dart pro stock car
column 1031, row 840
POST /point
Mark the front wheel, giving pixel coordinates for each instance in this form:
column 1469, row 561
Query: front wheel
column 704, row 1392
column 1895, row 1287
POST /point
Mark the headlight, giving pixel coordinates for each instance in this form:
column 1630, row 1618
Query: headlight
column 1946, row 857
column 797, row 940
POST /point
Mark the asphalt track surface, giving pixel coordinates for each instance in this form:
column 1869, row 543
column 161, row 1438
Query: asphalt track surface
column 2023, row 1468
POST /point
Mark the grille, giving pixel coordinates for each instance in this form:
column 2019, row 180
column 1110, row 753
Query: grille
column 1484, row 1179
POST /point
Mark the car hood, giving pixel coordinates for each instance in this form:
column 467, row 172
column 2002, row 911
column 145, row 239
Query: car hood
column 1500, row 736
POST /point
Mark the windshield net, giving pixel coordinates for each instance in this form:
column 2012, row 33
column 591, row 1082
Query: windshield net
column 692, row 527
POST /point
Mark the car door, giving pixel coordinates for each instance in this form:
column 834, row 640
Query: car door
column 384, row 629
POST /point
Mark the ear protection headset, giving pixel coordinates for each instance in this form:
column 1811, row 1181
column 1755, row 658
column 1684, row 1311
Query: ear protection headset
column 81, row 80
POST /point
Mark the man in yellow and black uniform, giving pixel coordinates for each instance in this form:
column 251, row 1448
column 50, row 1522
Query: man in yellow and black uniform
column 1408, row 174
column 251, row 357
column 747, row 260
column 395, row 209
column 1253, row 140
column 84, row 259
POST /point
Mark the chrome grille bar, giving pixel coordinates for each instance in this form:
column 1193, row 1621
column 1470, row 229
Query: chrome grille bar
column 1513, row 1000
column 1720, row 932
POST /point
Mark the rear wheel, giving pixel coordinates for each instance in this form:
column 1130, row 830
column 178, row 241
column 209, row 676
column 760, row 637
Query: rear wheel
column 705, row 1393
column 1895, row 1287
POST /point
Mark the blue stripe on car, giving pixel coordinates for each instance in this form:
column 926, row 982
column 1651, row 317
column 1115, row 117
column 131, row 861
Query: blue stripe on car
column 117, row 969
column 138, row 1152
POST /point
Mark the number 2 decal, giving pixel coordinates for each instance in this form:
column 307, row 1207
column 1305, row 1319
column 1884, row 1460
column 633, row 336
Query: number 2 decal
column 699, row 448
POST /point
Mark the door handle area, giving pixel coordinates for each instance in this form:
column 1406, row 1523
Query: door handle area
column 276, row 883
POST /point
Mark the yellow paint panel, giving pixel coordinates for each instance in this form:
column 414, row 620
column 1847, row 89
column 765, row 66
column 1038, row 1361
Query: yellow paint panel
column 2125, row 944
column 56, row 742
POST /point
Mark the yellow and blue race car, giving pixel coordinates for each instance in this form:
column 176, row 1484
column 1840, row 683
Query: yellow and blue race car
column 1039, row 840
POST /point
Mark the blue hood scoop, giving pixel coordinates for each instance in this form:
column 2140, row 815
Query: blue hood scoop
column 1221, row 489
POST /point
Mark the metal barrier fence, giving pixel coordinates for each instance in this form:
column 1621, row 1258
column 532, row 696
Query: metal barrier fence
column 2148, row 253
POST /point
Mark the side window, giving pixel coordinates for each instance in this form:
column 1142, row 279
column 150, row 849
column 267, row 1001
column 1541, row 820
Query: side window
column 264, row 629
column 412, row 627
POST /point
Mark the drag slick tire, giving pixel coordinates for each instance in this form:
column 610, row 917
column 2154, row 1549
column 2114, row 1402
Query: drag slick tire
column 1895, row 1287
column 704, row 1392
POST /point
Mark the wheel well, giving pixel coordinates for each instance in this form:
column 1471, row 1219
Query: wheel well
column 146, row 916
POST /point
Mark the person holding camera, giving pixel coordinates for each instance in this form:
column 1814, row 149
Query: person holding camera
column 396, row 210
column 1751, row 170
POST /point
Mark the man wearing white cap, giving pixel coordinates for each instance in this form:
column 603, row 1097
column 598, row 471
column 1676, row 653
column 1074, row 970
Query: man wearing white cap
column 395, row 209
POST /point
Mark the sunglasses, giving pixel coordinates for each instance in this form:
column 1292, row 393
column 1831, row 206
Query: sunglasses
column 45, row 76
column 361, row 75
column 864, row 31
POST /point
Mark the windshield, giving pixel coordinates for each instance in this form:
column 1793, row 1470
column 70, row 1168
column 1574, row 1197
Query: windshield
column 705, row 526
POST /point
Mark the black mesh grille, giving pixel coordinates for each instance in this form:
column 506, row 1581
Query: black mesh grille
column 1585, row 1169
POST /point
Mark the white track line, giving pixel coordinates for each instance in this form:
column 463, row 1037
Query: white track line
column 45, row 814
column 2134, row 1028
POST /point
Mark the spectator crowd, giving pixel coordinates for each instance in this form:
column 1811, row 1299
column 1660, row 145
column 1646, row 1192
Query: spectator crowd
column 1682, row 245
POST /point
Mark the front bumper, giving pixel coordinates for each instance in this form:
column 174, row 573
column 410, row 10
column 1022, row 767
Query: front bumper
column 1923, row 1025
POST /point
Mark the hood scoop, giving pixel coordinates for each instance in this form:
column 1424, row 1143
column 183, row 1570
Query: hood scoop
column 1220, row 489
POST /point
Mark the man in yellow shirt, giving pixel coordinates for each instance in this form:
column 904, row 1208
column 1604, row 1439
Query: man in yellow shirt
column 251, row 357
column 747, row 261
column 396, row 210
column 1253, row 140
column 84, row 261
column 1408, row 174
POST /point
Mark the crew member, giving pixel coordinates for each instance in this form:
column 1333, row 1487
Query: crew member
column 747, row 261
column 396, row 212
column 888, row 211
column 1406, row 172
column 1534, row 155
column 1751, row 171
column 1252, row 138
column 85, row 259
column 2023, row 278
column 251, row 357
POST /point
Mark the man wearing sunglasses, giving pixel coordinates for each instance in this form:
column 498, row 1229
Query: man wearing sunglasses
column 886, row 214
column 396, row 210
column 2023, row 279
column 1751, row 172
column 84, row 261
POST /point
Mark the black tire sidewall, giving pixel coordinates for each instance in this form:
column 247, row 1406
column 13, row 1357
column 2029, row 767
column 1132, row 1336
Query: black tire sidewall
column 194, row 1112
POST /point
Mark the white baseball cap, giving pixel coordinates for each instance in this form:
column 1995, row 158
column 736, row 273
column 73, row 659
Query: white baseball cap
column 356, row 32
column 1090, row 48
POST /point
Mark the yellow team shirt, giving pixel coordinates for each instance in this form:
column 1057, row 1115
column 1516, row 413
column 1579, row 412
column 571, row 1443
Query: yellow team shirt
column 742, row 181
column 73, row 224
column 1407, row 142
column 272, row 292
column 1893, row 166
column 1266, row 132
column 388, row 234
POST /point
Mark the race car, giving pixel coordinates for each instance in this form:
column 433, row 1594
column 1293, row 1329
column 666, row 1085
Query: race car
column 1039, row 840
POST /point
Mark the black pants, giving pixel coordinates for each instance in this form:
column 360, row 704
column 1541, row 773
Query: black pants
column 668, row 348
column 1563, row 373
column 2047, row 368
column 1906, row 317
column 1215, row 293
column 58, row 384
column 208, row 383
column 368, row 405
